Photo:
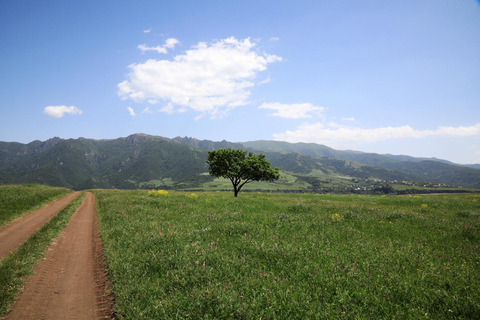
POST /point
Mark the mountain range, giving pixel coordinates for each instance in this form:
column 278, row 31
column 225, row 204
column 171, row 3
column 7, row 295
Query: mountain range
column 145, row 161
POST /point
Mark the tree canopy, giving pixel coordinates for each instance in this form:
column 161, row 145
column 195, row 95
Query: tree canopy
column 240, row 167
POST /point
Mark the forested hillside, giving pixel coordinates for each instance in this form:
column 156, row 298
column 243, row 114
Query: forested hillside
column 414, row 169
column 144, row 161
column 83, row 163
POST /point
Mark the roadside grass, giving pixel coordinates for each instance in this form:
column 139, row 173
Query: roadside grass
column 276, row 256
column 15, row 268
column 16, row 200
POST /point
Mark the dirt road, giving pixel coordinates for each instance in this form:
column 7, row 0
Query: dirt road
column 15, row 233
column 70, row 283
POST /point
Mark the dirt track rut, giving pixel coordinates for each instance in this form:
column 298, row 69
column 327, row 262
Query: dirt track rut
column 15, row 233
column 70, row 282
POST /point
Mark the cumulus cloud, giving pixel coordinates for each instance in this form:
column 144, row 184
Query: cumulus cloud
column 59, row 111
column 147, row 31
column 210, row 78
column 336, row 135
column 131, row 111
column 293, row 111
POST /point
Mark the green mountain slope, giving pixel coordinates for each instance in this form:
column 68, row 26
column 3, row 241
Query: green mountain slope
column 83, row 163
column 415, row 169
column 148, row 161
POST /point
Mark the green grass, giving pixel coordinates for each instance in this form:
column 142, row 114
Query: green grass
column 16, row 200
column 167, row 182
column 286, row 182
column 314, row 182
column 19, row 264
column 276, row 256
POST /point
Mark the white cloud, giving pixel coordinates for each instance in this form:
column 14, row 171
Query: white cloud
column 335, row 135
column 59, row 111
column 293, row 111
column 459, row 131
column 209, row 78
column 147, row 110
column 147, row 31
column 131, row 111
column 169, row 44
column 158, row 49
column 169, row 108
column 273, row 39
column 267, row 80
column 351, row 119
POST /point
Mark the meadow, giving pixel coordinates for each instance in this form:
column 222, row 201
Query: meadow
column 16, row 200
column 181, row 255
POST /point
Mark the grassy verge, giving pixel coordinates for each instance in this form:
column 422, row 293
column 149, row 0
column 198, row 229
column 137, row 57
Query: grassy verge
column 16, row 267
column 16, row 200
column 276, row 256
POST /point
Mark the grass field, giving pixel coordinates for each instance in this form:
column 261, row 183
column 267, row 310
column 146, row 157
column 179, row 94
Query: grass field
column 314, row 182
column 286, row 182
column 19, row 264
column 16, row 200
column 274, row 256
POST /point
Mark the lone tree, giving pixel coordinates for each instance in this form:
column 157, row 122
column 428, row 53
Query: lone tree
column 240, row 167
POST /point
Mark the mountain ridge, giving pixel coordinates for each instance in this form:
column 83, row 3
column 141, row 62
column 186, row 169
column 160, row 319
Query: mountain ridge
column 142, row 160
column 322, row 150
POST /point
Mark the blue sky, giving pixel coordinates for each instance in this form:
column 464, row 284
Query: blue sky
column 399, row 77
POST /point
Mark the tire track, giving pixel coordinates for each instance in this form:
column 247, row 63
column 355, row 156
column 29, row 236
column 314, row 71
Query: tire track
column 70, row 283
column 18, row 231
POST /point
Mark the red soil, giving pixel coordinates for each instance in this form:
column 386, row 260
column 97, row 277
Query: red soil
column 70, row 282
column 15, row 233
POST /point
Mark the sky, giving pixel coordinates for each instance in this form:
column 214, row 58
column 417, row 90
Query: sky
column 398, row 77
